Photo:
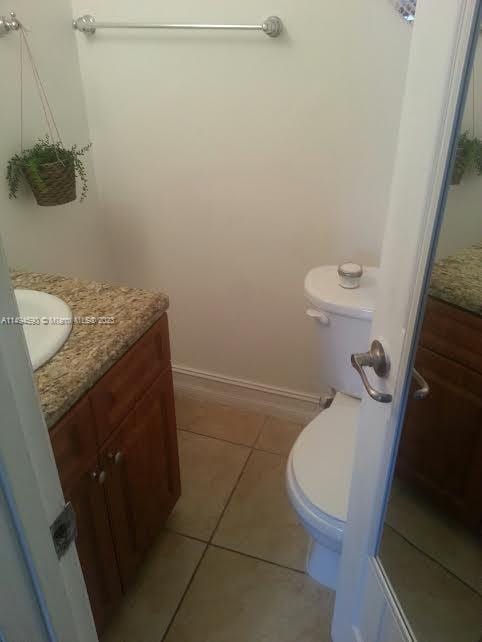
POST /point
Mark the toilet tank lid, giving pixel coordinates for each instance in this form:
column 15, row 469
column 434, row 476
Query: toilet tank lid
column 323, row 290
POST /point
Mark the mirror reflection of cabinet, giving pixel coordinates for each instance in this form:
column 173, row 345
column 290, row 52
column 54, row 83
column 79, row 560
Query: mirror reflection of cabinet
column 441, row 446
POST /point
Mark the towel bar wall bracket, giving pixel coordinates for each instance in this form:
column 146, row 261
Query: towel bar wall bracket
column 272, row 26
column 9, row 23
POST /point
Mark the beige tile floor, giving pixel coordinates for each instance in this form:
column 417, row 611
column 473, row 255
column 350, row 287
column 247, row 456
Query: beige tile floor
column 437, row 535
column 438, row 605
column 234, row 598
column 259, row 520
column 210, row 469
column 228, row 567
column 435, row 567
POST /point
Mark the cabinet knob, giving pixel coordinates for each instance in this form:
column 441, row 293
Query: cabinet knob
column 99, row 477
column 117, row 457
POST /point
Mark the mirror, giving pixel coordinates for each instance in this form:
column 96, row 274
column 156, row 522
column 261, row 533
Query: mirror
column 431, row 544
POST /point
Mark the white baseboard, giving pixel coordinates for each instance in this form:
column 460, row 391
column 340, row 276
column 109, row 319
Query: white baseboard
column 280, row 402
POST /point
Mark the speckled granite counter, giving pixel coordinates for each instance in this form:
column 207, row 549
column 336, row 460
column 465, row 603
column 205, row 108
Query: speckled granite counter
column 457, row 279
column 91, row 349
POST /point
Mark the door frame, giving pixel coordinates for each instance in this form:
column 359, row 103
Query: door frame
column 31, row 487
column 444, row 39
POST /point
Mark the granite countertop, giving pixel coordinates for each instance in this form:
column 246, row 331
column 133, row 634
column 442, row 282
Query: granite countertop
column 457, row 279
column 91, row 349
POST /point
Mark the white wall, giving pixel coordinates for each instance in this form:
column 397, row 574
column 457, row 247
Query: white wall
column 229, row 164
column 69, row 239
column 462, row 223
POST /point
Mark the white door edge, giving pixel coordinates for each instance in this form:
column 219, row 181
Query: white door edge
column 438, row 61
column 26, row 558
column 31, row 475
column 382, row 614
column 394, row 608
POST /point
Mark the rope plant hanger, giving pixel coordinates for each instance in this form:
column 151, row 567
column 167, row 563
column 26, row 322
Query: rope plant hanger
column 49, row 168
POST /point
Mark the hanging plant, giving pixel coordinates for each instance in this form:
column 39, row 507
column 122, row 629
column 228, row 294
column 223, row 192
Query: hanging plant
column 50, row 170
column 468, row 158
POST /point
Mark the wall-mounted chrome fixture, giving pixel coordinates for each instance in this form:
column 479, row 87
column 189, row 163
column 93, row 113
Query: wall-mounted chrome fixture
column 9, row 23
column 406, row 8
column 272, row 26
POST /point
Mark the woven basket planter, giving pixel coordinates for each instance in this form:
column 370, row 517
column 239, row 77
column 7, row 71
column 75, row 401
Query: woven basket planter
column 57, row 183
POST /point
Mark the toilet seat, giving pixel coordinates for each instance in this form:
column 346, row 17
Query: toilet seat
column 320, row 468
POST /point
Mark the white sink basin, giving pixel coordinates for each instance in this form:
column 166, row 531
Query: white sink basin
column 46, row 322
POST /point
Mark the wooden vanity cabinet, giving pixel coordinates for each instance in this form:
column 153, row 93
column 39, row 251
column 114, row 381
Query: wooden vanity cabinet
column 119, row 467
column 94, row 547
column 75, row 448
column 441, row 445
column 142, row 483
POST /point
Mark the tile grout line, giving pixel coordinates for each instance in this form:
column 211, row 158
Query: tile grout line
column 235, row 443
column 185, row 592
column 188, row 428
column 258, row 559
column 193, row 537
column 228, row 501
column 271, row 452
column 225, row 441
column 207, row 545
column 234, row 550
column 263, row 424
column 252, row 449
column 435, row 561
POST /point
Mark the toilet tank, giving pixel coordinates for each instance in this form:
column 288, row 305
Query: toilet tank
column 344, row 319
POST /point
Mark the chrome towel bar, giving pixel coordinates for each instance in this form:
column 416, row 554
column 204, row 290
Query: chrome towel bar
column 272, row 26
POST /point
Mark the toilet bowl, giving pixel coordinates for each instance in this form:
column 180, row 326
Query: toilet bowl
column 318, row 481
column 320, row 464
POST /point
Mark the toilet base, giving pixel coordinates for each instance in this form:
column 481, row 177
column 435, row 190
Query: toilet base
column 322, row 564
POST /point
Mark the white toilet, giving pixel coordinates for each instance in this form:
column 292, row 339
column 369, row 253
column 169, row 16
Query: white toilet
column 320, row 463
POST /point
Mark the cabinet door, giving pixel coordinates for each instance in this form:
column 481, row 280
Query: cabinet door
column 441, row 445
column 74, row 443
column 95, row 546
column 453, row 333
column 143, row 474
column 75, row 449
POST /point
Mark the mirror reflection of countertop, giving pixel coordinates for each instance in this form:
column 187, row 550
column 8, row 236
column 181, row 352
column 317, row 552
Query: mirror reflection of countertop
column 457, row 279
column 108, row 320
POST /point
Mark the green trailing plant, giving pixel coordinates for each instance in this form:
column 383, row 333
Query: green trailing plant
column 468, row 159
column 30, row 163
